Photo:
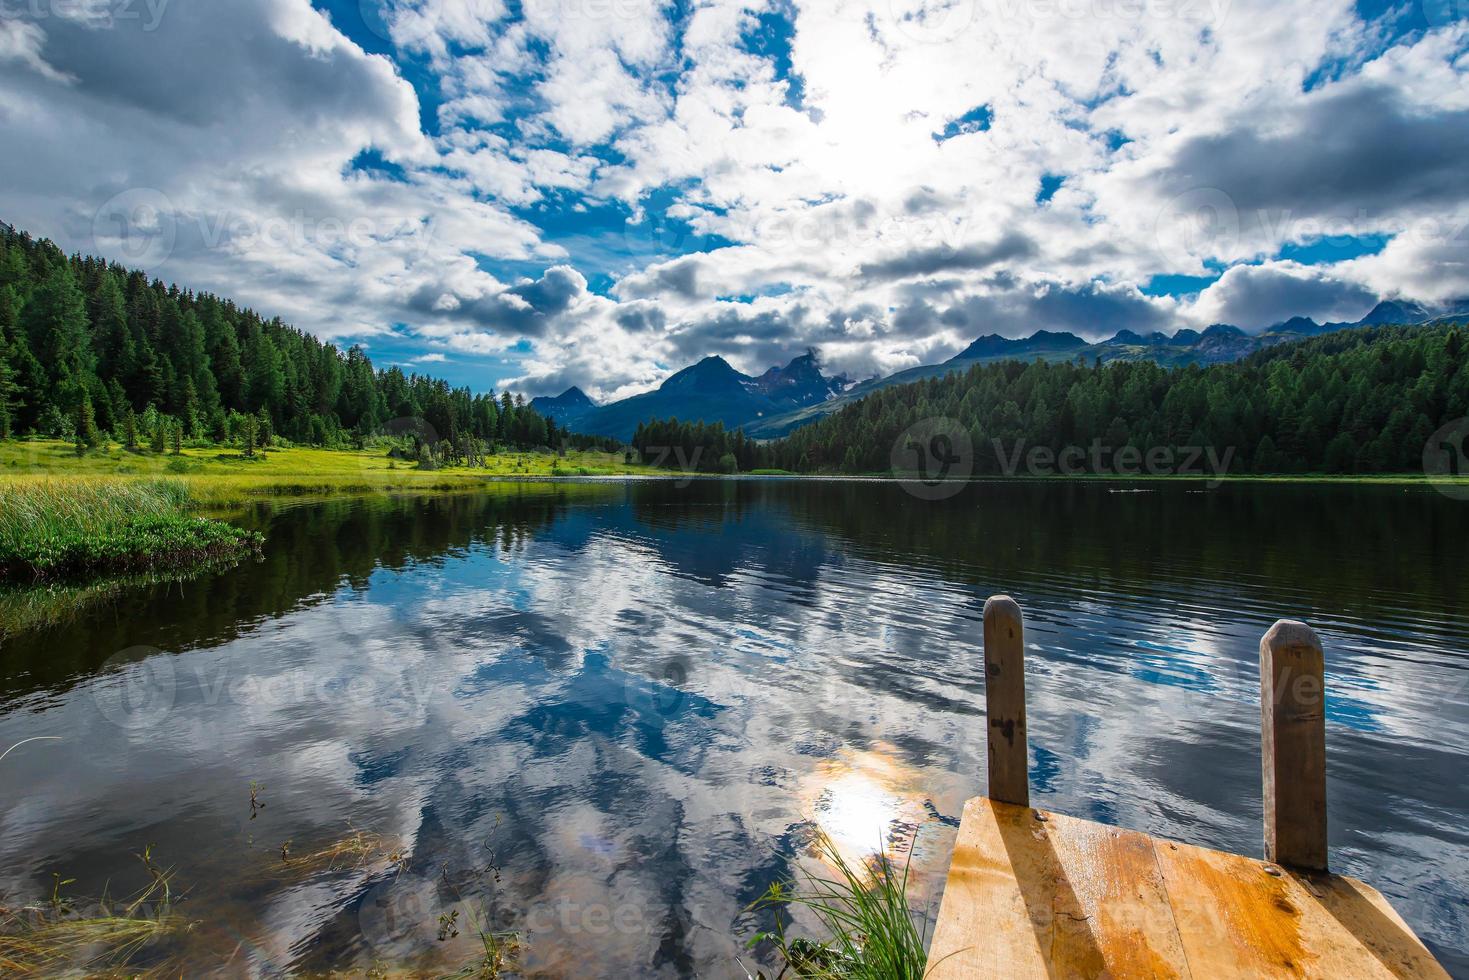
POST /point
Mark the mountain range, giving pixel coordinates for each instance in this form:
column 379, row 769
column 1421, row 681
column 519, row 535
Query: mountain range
column 709, row 391
column 785, row 398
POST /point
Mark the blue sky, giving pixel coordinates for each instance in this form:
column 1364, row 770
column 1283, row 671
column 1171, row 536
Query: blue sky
column 599, row 192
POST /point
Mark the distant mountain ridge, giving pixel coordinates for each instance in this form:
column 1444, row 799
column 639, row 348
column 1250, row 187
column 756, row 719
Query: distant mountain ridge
column 709, row 391
column 785, row 398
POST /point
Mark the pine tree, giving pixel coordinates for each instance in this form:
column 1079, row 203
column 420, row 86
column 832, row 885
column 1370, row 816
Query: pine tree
column 264, row 433
column 130, row 430
column 86, row 427
column 9, row 390
column 55, row 320
column 248, row 432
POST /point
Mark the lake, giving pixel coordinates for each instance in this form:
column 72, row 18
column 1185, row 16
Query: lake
column 607, row 715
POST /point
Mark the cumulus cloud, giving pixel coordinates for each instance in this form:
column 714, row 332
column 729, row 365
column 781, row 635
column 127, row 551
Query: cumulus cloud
column 498, row 183
column 1256, row 297
column 942, row 258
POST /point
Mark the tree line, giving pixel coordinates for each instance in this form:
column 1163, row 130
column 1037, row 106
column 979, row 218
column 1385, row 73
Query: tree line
column 91, row 350
column 1353, row 401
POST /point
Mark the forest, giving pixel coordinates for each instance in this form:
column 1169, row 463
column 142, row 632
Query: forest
column 91, row 350
column 1354, row 401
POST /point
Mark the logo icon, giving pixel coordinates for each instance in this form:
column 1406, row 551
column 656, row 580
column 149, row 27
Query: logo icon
column 933, row 458
column 397, row 917
column 932, row 21
column 137, row 226
column 1200, row 224
column 1446, row 459
column 136, row 688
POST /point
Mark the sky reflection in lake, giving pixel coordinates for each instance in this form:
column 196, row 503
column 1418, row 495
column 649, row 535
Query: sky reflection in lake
column 608, row 716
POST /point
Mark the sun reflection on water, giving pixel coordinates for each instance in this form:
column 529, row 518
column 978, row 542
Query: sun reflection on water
column 867, row 802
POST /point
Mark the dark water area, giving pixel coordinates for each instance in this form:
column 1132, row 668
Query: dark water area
column 607, row 716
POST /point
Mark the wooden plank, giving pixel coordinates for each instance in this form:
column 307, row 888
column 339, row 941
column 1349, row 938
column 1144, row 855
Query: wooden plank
column 1004, row 696
column 1113, row 890
column 996, row 917
column 1038, row 895
column 1244, row 918
column 1293, row 745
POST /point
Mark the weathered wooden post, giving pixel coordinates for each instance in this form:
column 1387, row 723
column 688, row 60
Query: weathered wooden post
column 1293, row 744
column 1004, row 695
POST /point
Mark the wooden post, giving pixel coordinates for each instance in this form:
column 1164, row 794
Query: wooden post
column 1293, row 743
column 1004, row 695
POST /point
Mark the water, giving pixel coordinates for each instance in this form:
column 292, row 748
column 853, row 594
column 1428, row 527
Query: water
column 606, row 716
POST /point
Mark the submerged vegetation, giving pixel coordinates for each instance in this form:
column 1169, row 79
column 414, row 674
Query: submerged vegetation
column 864, row 911
column 57, row 528
column 141, row 936
column 61, row 936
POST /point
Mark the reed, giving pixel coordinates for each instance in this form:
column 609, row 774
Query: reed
column 865, row 913
column 54, row 528
column 54, row 939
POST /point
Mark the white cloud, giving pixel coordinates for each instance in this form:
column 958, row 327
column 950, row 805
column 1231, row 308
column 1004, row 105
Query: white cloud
column 805, row 153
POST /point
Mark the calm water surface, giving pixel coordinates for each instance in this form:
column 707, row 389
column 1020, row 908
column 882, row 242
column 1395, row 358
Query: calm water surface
column 606, row 716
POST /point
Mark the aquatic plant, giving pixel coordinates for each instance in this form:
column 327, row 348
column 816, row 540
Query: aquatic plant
column 865, row 912
column 53, row 938
column 358, row 849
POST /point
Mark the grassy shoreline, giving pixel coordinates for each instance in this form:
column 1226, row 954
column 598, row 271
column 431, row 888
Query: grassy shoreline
column 52, row 529
column 218, row 476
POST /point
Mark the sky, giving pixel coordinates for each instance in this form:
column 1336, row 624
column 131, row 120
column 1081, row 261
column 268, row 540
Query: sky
column 538, row 193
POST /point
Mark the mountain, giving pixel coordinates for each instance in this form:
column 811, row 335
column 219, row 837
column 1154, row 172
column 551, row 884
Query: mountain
column 1397, row 311
column 571, row 403
column 1218, row 344
column 1040, row 343
column 788, row 397
column 800, row 383
column 711, row 391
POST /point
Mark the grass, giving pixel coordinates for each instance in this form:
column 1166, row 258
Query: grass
column 137, row 938
column 117, row 512
column 55, row 939
column 217, row 475
column 58, row 528
column 358, row 850
column 865, row 914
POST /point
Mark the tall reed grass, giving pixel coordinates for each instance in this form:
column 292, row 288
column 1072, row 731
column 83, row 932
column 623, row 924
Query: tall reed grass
column 57, row 527
column 865, row 913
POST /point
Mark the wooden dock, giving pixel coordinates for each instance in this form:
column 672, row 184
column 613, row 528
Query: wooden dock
column 1038, row 894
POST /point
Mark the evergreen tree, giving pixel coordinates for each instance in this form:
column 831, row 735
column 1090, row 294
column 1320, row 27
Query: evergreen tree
column 263, row 431
column 249, row 429
column 56, row 326
column 87, row 435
